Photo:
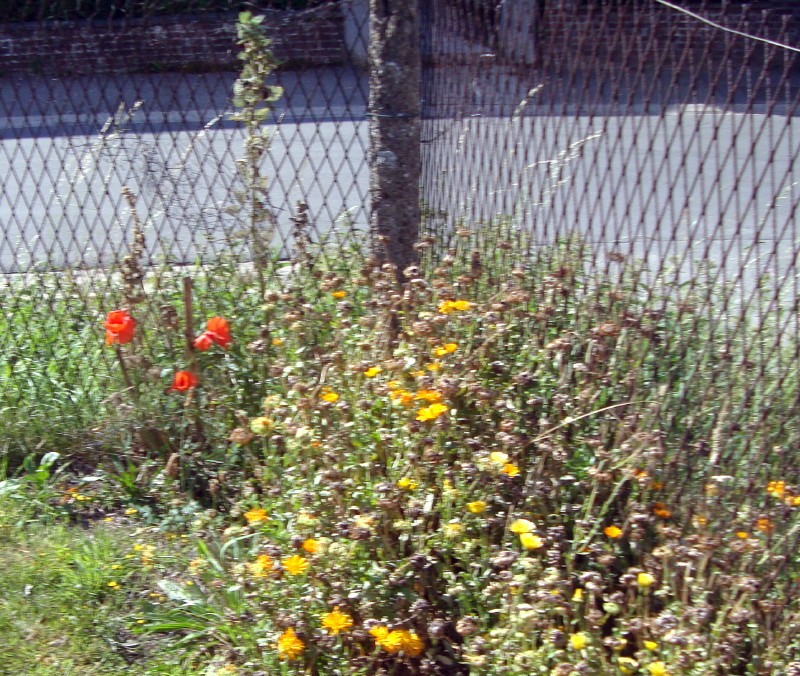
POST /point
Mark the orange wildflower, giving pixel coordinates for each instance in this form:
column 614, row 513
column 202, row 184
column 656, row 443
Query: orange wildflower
column 661, row 511
column 119, row 327
column 203, row 342
column 765, row 525
column 776, row 489
column 217, row 331
column 183, row 380
column 290, row 645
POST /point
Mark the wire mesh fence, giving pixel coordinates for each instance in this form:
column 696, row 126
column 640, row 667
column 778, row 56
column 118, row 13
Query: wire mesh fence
column 650, row 149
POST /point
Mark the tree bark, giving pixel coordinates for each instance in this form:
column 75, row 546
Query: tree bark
column 394, row 112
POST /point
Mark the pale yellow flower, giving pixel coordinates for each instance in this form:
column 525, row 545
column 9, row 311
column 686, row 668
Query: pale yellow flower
column 261, row 425
column 530, row 541
column 520, row 526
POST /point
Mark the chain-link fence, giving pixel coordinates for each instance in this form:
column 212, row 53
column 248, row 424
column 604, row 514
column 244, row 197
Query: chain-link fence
column 645, row 135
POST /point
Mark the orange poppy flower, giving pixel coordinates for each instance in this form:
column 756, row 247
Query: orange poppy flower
column 119, row 327
column 218, row 330
column 184, row 380
column 203, row 342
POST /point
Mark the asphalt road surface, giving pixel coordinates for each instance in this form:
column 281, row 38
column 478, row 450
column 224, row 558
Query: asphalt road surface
column 672, row 185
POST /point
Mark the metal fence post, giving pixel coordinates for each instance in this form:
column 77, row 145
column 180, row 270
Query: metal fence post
column 394, row 111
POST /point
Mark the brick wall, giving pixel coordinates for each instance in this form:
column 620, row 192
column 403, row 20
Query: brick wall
column 649, row 29
column 201, row 42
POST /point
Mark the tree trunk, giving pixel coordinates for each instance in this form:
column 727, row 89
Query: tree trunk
column 394, row 108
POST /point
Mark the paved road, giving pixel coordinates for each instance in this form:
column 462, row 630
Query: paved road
column 681, row 181
column 167, row 138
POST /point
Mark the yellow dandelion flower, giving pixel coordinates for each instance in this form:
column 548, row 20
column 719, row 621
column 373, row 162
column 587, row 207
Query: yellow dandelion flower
column 447, row 348
column 434, row 366
column 520, row 526
column 393, row 384
column 131, row 511
column 627, row 665
column 578, row 641
column 510, row 469
column 336, row 621
column 650, row 645
column 412, row 645
column 645, row 580
column 530, row 541
column 407, row 484
column 290, row 646
column 498, row 457
column 373, row 371
column 577, row 595
column 477, row 507
column 742, row 534
column 256, row 515
column 657, row 669
column 113, row 584
column 310, row 545
column 338, row 295
column 295, row 565
column 277, row 342
column 329, row 395
column 449, row 306
column 379, row 633
column 613, row 532
column 431, row 396
column 390, row 641
column 431, row 412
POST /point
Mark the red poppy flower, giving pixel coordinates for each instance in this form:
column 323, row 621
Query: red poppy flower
column 218, row 330
column 184, row 380
column 203, row 342
column 119, row 327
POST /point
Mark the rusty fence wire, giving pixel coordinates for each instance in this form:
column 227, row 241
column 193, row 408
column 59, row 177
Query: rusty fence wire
column 635, row 136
